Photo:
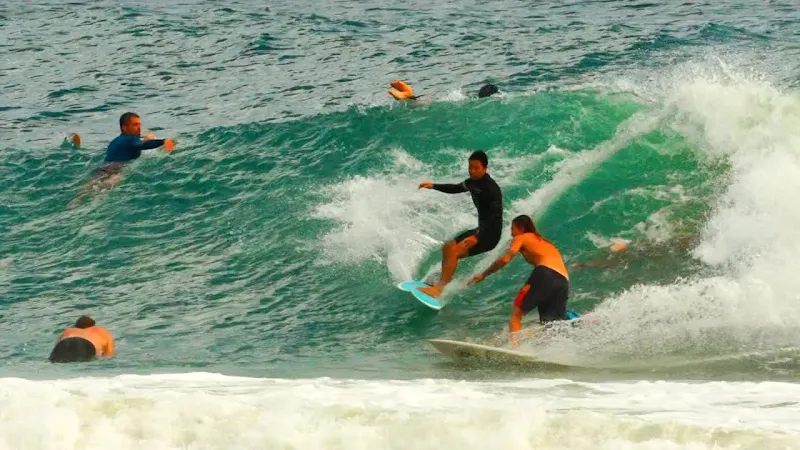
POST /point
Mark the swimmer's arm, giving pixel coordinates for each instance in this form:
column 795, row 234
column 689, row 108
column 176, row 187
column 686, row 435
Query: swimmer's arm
column 109, row 351
column 108, row 346
column 149, row 144
column 451, row 188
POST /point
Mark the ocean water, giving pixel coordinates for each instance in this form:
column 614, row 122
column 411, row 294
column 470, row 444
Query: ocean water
column 249, row 277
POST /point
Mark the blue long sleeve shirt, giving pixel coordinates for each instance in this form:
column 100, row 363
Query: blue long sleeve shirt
column 126, row 147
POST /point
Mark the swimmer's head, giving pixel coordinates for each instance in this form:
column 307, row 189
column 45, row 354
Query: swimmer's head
column 478, row 164
column 130, row 123
column 521, row 225
column 84, row 322
column 487, row 90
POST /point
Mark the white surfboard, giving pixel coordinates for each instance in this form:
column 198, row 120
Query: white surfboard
column 478, row 354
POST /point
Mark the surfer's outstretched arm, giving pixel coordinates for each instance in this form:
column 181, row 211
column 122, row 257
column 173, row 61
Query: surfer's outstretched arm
column 446, row 188
column 500, row 262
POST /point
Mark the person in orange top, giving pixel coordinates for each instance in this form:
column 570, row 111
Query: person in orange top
column 83, row 342
column 547, row 288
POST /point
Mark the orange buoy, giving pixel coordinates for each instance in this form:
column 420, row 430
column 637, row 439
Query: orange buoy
column 401, row 91
column 75, row 139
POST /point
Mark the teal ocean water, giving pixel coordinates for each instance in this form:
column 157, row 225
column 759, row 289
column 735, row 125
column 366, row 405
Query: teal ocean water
column 249, row 277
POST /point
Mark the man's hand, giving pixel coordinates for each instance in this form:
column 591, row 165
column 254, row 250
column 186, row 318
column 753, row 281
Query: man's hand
column 476, row 279
column 149, row 136
column 169, row 145
column 426, row 185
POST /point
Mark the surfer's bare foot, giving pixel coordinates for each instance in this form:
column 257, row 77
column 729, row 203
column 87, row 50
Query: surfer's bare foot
column 433, row 291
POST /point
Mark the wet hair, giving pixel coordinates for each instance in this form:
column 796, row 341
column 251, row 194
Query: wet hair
column 480, row 156
column 126, row 118
column 525, row 223
column 487, row 91
column 84, row 322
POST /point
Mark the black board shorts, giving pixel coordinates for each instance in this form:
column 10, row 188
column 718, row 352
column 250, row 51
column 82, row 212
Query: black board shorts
column 487, row 240
column 548, row 292
column 73, row 349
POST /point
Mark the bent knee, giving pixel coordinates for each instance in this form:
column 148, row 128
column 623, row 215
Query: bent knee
column 456, row 249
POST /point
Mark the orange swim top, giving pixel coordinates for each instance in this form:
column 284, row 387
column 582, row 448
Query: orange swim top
column 539, row 252
column 97, row 335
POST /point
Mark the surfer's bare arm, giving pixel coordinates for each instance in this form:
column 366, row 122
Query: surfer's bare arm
column 500, row 262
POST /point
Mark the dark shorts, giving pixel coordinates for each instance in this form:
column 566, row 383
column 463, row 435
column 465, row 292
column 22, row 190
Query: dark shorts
column 486, row 240
column 548, row 292
column 73, row 349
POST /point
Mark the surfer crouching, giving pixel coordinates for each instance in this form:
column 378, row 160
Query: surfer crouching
column 83, row 342
column 547, row 288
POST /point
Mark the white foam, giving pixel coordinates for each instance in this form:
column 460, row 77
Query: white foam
column 203, row 411
column 753, row 125
column 752, row 239
column 386, row 218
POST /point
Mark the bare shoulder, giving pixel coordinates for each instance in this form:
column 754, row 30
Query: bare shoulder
column 519, row 242
column 101, row 331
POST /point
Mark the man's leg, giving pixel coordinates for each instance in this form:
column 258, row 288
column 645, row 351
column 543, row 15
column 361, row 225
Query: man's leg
column 515, row 324
column 451, row 253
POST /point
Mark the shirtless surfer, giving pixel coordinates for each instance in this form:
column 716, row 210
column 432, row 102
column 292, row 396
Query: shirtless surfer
column 83, row 342
column 547, row 288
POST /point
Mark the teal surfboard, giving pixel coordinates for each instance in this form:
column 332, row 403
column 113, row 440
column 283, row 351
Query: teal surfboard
column 413, row 287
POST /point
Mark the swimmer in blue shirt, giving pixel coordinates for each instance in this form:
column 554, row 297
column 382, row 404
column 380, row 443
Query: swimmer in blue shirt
column 129, row 144
column 124, row 148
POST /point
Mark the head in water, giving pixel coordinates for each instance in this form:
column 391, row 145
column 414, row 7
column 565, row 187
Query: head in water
column 84, row 322
column 130, row 123
column 478, row 164
column 487, row 90
column 521, row 225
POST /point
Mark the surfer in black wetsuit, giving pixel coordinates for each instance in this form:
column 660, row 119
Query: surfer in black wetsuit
column 488, row 199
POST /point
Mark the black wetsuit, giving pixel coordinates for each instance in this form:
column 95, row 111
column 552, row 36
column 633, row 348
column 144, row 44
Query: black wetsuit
column 488, row 199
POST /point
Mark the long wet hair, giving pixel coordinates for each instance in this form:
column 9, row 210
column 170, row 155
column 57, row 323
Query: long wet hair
column 525, row 223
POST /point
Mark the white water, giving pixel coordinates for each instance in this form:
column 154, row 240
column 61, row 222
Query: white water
column 204, row 411
column 385, row 217
column 748, row 301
